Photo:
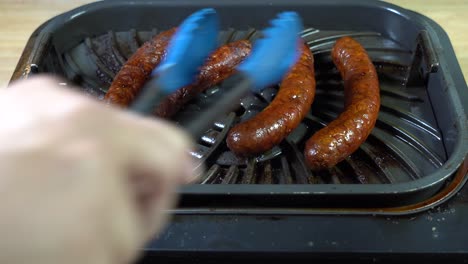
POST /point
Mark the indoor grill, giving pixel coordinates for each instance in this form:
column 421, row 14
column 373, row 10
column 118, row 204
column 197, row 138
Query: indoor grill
column 399, row 195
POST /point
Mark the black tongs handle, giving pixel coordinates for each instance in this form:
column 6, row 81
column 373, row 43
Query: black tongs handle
column 224, row 102
column 151, row 96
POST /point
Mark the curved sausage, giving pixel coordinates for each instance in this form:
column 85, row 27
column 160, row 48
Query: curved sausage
column 218, row 66
column 285, row 112
column 344, row 135
column 136, row 71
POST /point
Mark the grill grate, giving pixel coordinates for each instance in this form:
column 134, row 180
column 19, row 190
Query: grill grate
column 403, row 147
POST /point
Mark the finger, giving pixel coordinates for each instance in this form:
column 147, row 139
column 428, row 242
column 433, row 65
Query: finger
column 161, row 147
column 154, row 154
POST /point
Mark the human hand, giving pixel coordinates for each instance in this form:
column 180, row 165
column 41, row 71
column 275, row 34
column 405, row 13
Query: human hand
column 81, row 182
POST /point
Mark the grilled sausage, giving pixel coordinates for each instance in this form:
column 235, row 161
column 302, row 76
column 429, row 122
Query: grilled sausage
column 285, row 112
column 218, row 66
column 136, row 71
column 344, row 135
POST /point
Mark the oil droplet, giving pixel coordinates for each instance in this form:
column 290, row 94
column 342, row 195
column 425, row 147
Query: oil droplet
column 435, row 233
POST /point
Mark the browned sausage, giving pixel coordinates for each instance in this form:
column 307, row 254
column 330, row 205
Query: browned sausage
column 136, row 71
column 344, row 135
column 285, row 112
column 218, row 66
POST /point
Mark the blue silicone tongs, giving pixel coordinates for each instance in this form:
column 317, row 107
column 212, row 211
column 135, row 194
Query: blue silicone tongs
column 271, row 58
column 193, row 41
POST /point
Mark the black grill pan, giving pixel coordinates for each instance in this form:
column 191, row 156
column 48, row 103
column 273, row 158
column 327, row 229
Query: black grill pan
column 419, row 142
